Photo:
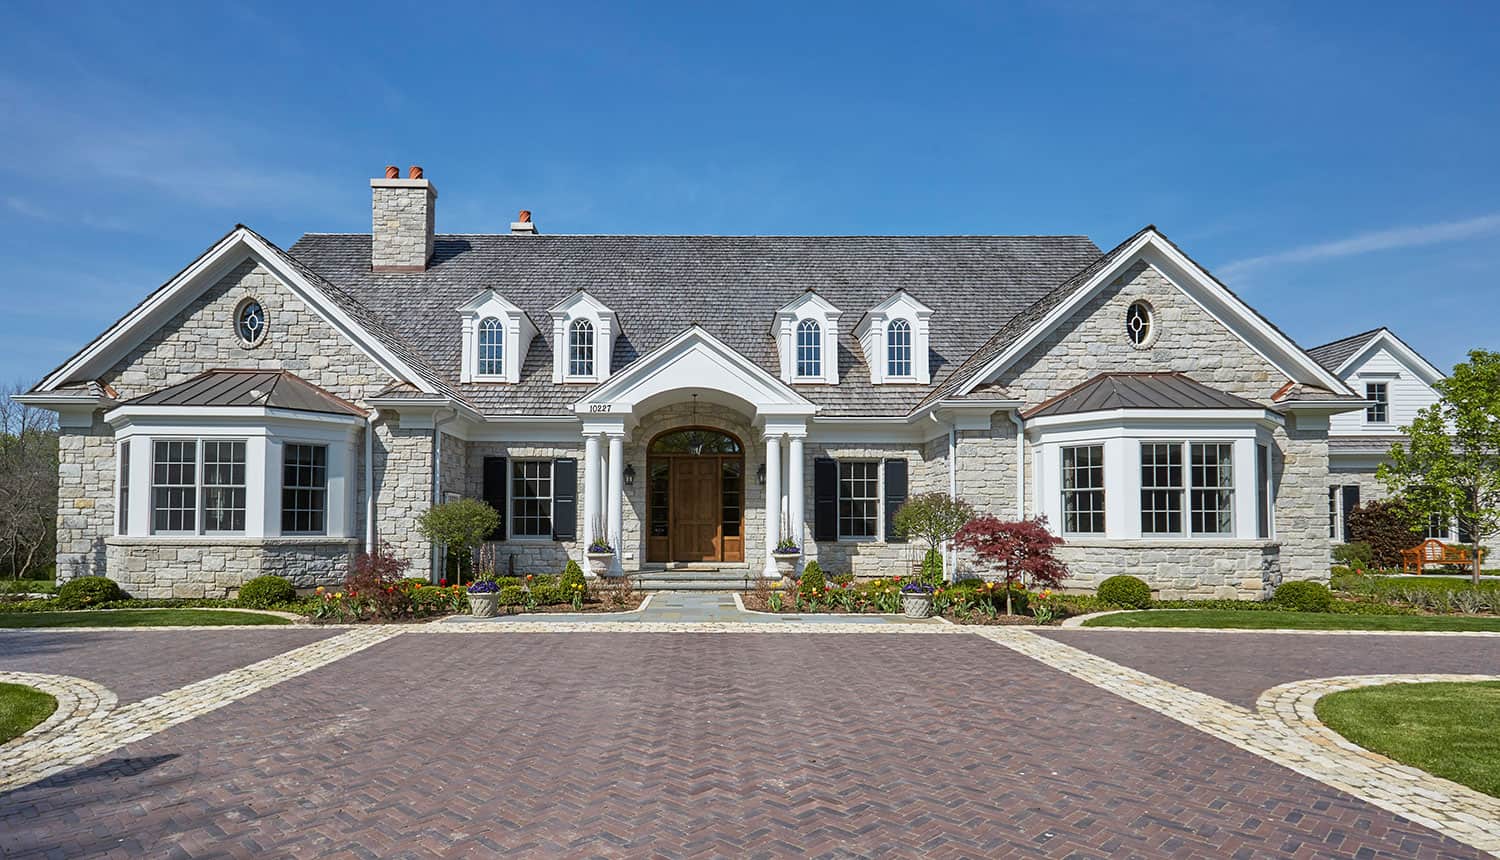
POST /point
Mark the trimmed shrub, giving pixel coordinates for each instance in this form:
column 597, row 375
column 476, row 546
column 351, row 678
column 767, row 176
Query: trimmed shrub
column 1125, row 590
column 932, row 567
column 546, row 593
column 843, row 579
column 268, row 590
column 1356, row 555
column 86, row 592
column 512, row 595
column 813, row 581
column 1304, row 596
column 1386, row 526
column 572, row 575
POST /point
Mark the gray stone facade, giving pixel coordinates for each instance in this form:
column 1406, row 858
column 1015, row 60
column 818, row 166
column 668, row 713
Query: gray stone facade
column 1178, row 570
column 403, row 216
column 217, row 567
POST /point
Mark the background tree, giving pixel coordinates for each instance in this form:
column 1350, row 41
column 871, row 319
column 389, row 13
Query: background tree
column 1450, row 465
column 460, row 526
column 1021, row 551
column 1388, row 527
column 933, row 518
column 28, row 487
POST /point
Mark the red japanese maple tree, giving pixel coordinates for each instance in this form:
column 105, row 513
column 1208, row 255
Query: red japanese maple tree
column 1021, row 551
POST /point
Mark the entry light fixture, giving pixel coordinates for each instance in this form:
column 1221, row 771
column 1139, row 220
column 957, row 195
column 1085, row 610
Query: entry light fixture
column 629, row 475
column 760, row 474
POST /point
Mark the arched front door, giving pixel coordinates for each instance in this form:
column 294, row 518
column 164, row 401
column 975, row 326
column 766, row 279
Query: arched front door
column 696, row 496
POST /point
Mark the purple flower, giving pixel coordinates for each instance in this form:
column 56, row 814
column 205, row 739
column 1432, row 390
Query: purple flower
column 484, row 586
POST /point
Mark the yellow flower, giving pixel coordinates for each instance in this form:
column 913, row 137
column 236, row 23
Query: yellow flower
column 320, row 589
column 339, row 594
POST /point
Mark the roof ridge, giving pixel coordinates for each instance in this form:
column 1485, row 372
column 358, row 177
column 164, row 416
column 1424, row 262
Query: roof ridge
column 740, row 235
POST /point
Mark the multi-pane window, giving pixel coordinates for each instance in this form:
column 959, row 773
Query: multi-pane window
column 174, row 485
column 124, row 503
column 491, row 347
column 1207, row 486
column 223, row 486
column 1212, row 491
column 859, row 498
column 531, row 498
column 304, row 489
column 1083, row 489
column 1379, row 410
column 581, row 348
column 1161, row 488
column 898, row 348
column 809, row 348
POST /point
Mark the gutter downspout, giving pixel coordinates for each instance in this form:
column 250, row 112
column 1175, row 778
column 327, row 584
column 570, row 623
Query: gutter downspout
column 950, row 558
column 1015, row 418
column 437, row 482
column 370, row 480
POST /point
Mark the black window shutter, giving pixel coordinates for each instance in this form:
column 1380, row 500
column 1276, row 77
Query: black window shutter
column 565, row 498
column 495, row 492
column 1351, row 501
column 895, row 497
column 825, row 499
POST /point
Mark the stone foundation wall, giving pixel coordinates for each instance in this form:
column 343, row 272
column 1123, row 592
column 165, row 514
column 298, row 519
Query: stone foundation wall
column 151, row 568
column 1178, row 570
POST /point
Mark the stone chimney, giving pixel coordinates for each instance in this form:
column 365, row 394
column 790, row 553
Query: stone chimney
column 523, row 223
column 401, row 221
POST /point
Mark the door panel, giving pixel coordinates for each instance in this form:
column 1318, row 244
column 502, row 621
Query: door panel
column 695, row 509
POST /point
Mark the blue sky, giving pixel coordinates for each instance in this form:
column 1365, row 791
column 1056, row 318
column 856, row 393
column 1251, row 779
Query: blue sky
column 1334, row 163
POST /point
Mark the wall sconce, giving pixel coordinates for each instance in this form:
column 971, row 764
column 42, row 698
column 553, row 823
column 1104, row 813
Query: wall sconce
column 629, row 475
column 760, row 474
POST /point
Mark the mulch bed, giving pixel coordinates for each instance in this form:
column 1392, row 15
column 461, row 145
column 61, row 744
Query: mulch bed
column 758, row 603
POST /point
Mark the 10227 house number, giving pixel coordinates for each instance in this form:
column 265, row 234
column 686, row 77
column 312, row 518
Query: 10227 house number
column 600, row 407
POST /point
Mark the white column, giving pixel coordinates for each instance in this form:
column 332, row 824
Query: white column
column 616, row 498
column 591, row 469
column 795, row 509
column 773, row 499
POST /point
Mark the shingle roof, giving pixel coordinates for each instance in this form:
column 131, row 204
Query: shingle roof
column 1139, row 391
column 276, row 389
column 730, row 285
column 1333, row 355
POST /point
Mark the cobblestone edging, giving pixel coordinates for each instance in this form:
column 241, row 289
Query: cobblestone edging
column 78, row 700
column 1273, row 631
column 688, row 627
column 1416, row 795
column 105, row 729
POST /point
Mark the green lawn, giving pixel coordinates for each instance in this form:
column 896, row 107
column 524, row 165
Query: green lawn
column 21, row 708
column 1272, row 619
column 135, row 618
column 1444, row 729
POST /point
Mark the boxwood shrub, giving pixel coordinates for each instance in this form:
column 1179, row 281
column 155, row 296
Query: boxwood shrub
column 1126, row 591
column 512, row 595
column 87, row 592
column 1303, row 596
column 572, row 575
column 813, row 581
column 268, row 590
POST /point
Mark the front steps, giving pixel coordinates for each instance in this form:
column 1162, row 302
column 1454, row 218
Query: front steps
column 695, row 577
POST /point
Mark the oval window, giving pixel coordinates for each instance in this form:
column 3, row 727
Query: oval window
column 1140, row 325
column 250, row 322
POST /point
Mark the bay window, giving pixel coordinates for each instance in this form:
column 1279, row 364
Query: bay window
column 1206, row 484
column 304, row 489
column 174, row 486
column 1083, row 489
column 197, row 486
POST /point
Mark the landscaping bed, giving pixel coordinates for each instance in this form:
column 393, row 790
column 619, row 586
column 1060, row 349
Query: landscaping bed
column 1446, row 729
column 1272, row 618
column 21, row 709
column 135, row 618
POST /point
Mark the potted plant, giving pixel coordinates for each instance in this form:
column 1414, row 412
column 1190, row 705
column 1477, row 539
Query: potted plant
column 786, row 555
column 600, row 555
column 916, row 599
column 484, row 598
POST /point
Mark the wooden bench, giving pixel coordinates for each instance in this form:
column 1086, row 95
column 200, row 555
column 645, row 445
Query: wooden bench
column 1433, row 551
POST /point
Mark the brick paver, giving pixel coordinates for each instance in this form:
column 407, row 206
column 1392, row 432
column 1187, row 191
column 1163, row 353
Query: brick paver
column 629, row 744
column 1238, row 666
column 135, row 664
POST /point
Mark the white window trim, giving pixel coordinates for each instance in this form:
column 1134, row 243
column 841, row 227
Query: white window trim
column 871, row 334
column 517, row 333
column 280, row 502
column 1062, row 490
column 1186, row 488
column 808, row 306
column 879, row 536
column 797, row 374
column 1386, row 385
column 582, row 306
column 510, row 500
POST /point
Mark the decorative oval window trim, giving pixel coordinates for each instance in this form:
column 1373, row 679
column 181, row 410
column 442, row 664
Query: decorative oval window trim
column 239, row 316
column 1141, row 335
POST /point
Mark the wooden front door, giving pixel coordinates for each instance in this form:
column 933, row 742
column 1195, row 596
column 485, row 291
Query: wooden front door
column 695, row 509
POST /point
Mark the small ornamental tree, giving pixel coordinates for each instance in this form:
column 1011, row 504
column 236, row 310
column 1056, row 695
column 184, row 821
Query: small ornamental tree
column 1387, row 527
column 459, row 525
column 933, row 518
column 375, row 583
column 1020, row 551
column 1450, row 466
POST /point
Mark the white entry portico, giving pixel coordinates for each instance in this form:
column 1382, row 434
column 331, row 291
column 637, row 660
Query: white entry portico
column 694, row 367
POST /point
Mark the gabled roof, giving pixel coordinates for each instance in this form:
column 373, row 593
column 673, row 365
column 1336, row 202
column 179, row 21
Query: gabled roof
column 270, row 389
column 1333, row 355
column 1340, row 355
column 1109, row 391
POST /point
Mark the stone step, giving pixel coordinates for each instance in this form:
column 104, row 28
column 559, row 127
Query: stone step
column 692, row 585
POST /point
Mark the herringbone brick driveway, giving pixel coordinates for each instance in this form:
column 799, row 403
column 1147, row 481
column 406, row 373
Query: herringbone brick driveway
column 666, row 745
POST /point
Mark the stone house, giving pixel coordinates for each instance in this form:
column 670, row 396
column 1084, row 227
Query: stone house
column 688, row 400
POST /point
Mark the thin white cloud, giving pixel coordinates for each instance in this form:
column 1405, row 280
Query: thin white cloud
column 1373, row 242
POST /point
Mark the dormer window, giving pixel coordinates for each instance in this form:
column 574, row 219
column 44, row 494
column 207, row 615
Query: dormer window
column 898, row 349
column 893, row 336
column 581, row 348
column 807, row 337
column 583, row 337
column 809, row 349
column 491, row 348
column 496, row 338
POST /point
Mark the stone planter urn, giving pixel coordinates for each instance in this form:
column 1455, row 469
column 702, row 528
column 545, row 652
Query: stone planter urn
column 916, row 605
column 484, row 605
column 786, row 563
column 600, row 562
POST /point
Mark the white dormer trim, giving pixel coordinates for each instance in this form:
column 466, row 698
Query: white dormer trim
column 808, row 306
column 581, row 305
column 1421, row 368
column 871, row 333
column 518, row 332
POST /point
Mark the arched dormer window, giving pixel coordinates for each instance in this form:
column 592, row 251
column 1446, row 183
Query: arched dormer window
column 581, row 348
column 809, row 348
column 491, row 356
column 898, row 348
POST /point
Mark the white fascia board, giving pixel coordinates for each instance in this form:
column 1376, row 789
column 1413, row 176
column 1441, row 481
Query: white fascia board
column 55, row 402
column 1228, row 310
column 142, row 415
column 1188, row 419
column 1328, row 407
column 1410, row 358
